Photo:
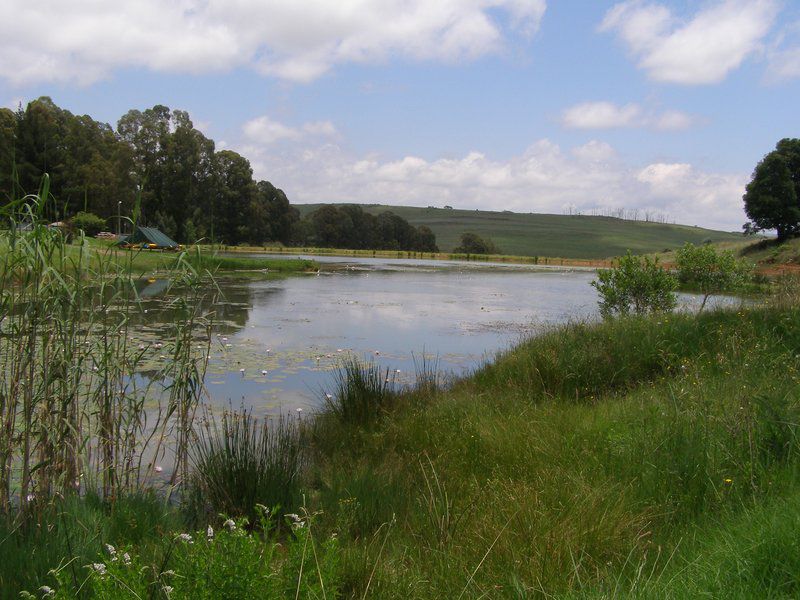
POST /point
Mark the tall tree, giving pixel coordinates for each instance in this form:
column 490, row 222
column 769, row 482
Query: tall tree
column 770, row 199
column 8, row 135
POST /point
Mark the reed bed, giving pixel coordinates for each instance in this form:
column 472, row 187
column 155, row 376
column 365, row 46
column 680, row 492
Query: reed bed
column 82, row 409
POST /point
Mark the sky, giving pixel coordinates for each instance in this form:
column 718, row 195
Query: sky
column 547, row 106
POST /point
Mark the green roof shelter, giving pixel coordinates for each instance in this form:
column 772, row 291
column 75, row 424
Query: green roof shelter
column 150, row 236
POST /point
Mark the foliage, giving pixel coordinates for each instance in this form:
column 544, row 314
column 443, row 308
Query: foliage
column 156, row 157
column 349, row 226
column 472, row 243
column 227, row 562
column 637, row 284
column 89, row 223
column 711, row 271
column 772, row 198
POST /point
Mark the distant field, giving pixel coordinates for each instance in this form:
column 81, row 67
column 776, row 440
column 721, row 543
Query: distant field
column 549, row 235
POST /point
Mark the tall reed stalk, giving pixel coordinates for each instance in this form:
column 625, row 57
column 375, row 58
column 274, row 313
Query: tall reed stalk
column 80, row 407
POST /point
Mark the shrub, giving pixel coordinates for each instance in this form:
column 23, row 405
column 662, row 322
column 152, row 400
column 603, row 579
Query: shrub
column 90, row 223
column 710, row 271
column 637, row 284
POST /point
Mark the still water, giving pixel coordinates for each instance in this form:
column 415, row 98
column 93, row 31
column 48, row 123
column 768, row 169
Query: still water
column 277, row 342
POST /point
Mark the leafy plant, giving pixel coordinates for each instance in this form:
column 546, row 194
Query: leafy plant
column 638, row 285
column 711, row 271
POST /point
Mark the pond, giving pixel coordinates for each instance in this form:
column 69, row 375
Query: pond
column 276, row 342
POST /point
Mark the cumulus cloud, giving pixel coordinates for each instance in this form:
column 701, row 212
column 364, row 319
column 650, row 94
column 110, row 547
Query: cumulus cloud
column 293, row 40
column 703, row 49
column 264, row 131
column 544, row 178
column 607, row 115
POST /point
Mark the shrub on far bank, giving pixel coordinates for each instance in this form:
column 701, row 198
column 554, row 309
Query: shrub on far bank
column 637, row 285
column 711, row 271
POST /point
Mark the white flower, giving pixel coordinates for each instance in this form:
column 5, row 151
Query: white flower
column 185, row 537
column 167, row 589
column 99, row 568
column 229, row 524
column 30, row 497
column 47, row 591
column 210, row 532
column 328, row 396
column 158, row 469
column 126, row 559
column 112, row 551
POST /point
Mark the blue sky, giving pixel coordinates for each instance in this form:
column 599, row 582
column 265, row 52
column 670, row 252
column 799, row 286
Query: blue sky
column 526, row 105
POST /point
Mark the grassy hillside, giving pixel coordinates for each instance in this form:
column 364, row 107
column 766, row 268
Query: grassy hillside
column 549, row 235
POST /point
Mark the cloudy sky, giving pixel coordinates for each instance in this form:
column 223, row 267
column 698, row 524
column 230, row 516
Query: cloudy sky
column 523, row 105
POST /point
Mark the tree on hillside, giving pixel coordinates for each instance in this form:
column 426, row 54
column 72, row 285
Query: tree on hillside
column 472, row 243
column 772, row 198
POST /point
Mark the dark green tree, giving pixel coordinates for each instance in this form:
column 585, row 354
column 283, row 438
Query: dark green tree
column 472, row 243
column 771, row 197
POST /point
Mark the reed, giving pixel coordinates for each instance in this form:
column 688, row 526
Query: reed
column 82, row 410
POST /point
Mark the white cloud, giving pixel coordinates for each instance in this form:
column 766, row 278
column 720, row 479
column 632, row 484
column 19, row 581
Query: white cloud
column 544, row 179
column 84, row 41
column 701, row 50
column 606, row 115
column 264, row 131
column 784, row 55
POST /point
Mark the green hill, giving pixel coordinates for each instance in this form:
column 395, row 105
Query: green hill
column 549, row 235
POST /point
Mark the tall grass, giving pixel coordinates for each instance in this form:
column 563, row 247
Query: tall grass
column 363, row 393
column 74, row 416
column 244, row 462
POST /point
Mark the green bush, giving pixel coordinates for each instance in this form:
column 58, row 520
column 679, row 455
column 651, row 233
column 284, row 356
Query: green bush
column 90, row 223
column 638, row 285
column 711, row 272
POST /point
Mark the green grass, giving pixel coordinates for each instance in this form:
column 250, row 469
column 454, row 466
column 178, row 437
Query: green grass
column 550, row 235
column 642, row 457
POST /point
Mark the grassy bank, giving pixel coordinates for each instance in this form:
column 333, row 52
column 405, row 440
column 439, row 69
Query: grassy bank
column 653, row 457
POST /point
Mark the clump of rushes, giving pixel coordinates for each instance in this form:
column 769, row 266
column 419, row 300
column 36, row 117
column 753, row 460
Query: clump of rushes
column 363, row 393
column 244, row 462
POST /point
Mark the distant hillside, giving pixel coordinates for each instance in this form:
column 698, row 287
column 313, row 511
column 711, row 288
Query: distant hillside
column 549, row 235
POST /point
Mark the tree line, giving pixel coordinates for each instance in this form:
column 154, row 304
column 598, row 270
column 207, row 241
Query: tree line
column 156, row 164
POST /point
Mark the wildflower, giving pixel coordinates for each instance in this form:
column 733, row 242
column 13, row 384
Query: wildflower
column 126, row 559
column 112, row 551
column 47, row 591
column 99, row 568
column 210, row 532
column 158, row 469
column 729, row 481
column 167, row 589
column 229, row 524
column 185, row 537
column 30, row 497
column 299, row 409
column 168, row 573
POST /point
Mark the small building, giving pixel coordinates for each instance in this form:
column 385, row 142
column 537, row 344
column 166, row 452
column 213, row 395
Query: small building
column 148, row 237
